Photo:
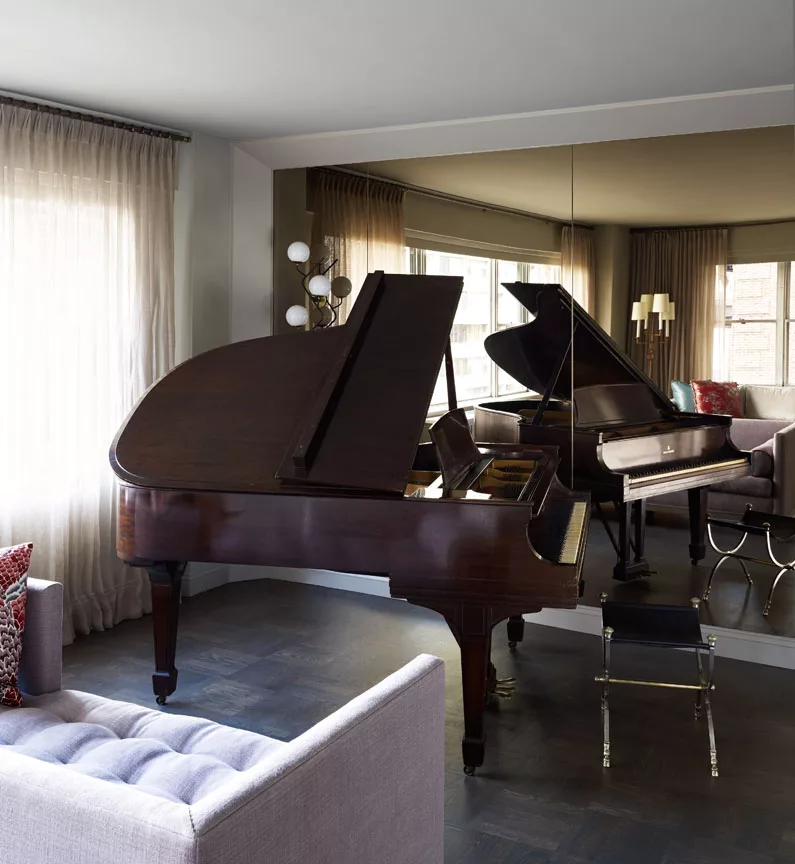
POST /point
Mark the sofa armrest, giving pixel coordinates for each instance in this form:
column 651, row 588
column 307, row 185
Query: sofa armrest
column 42, row 641
column 364, row 785
column 784, row 470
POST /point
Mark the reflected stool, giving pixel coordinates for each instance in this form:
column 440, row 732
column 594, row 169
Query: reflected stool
column 661, row 627
column 772, row 527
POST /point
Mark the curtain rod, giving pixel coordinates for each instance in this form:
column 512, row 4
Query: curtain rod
column 713, row 225
column 455, row 199
column 91, row 118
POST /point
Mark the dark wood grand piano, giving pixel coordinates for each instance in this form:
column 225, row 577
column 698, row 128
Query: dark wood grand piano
column 627, row 441
column 302, row 451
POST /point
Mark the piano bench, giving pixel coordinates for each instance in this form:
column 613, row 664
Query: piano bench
column 662, row 627
column 774, row 527
column 91, row 780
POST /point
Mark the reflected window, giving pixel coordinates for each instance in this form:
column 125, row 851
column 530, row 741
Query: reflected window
column 754, row 342
column 485, row 307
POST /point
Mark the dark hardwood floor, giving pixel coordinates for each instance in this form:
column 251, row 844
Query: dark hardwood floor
column 276, row 657
column 732, row 603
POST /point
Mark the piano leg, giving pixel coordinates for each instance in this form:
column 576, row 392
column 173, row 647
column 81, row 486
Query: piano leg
column 626, row 569
column 697, row 501
column 475, row 653
column 165, row 578
column 515, row 630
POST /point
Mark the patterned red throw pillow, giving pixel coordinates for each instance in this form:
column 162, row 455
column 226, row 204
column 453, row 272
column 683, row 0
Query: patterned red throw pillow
column 14, row 565
column 717, row 397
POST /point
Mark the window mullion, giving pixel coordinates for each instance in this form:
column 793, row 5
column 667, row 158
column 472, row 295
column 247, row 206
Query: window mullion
column 781, row 327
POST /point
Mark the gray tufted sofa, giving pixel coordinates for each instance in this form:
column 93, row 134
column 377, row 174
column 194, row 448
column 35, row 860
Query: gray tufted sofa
column 87, row 780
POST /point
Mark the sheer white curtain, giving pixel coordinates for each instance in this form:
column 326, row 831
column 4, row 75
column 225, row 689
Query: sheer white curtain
column 578, row 265
column 361, row 222
column 86, row 299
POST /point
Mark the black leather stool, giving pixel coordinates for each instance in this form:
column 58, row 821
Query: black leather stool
column 662, row 627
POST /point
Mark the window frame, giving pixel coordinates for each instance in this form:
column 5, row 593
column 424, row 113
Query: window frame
column 783, row 321
column 417, row 266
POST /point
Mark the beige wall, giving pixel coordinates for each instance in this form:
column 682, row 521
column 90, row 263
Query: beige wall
column 291, row 222
column 612, row 279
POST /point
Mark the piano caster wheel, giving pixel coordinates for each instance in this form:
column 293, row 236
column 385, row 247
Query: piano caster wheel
column 469, row 770
column 161, row 700
column 512, row 645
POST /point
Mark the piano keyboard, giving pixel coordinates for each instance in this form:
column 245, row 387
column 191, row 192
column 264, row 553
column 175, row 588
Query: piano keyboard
column 573, row 533
column 557, row 534
column 682, row 470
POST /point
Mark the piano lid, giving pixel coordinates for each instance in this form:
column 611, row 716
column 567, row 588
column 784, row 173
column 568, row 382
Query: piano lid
column 538, row 354
column 341, row 408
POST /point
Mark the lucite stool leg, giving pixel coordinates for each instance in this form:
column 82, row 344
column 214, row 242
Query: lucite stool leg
column 607, row 636
column 713, row 750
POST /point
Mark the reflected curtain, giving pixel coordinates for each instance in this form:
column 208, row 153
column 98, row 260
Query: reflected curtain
column 689, row 265
column 578, row 265
column 87, row 300
column 361, row 222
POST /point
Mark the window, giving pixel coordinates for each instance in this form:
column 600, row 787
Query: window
column 754, row 345
column 485, row 306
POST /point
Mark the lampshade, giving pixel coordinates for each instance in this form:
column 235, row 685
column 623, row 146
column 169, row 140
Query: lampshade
column 296, row 316
column 320, row 286
column 298, row 252
column 660, row 304
column 670, row 312
column 341, row 286
column 637, row 311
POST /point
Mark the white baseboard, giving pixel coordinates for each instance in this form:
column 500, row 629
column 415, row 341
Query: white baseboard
column 764, row 648
column 204, row 577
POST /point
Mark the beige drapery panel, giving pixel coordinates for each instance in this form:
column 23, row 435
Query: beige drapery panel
column 690, row 265
column 87, row 300
column 361, row 222
column 578, row 265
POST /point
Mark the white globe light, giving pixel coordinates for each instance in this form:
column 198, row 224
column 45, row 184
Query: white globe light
column 320, row 286
column 298, row 252
column 297, row 316
column 341, row 286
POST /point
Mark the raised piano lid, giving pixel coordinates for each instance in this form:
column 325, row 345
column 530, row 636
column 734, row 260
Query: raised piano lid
column 340, row 408
column 608, row 388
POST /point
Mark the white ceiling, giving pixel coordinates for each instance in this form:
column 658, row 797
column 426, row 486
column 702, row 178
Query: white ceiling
column 263, row 68
column 713, row 178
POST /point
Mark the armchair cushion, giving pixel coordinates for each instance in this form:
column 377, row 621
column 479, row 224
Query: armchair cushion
column 14, row 566
column 179, row 759
column 764, row 401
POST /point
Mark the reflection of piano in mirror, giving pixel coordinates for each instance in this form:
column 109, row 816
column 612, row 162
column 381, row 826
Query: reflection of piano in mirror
column 628, row 441
column 301, row 451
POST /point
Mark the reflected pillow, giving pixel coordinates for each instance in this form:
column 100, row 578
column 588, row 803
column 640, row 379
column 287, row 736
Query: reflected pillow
column 683, row 396
column 717, row 397
column 14, row 565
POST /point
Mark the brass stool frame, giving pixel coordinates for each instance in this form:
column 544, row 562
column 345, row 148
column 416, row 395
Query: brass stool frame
column 703, row 689
column 761, row 524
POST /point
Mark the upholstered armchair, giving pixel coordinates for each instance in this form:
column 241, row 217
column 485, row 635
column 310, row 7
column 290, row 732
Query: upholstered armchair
column 90, row 780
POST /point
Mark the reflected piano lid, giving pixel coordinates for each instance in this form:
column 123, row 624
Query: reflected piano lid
column 531, row 352
column 342, row 408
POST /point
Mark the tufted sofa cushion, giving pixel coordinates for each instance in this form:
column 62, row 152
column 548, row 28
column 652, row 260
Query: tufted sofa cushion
column 180, row 759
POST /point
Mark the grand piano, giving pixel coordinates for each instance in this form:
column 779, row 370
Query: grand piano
column 618, row 434
column 302, row 451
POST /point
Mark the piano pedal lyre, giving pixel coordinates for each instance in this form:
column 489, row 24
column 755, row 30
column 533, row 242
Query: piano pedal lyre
column 503, row 688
